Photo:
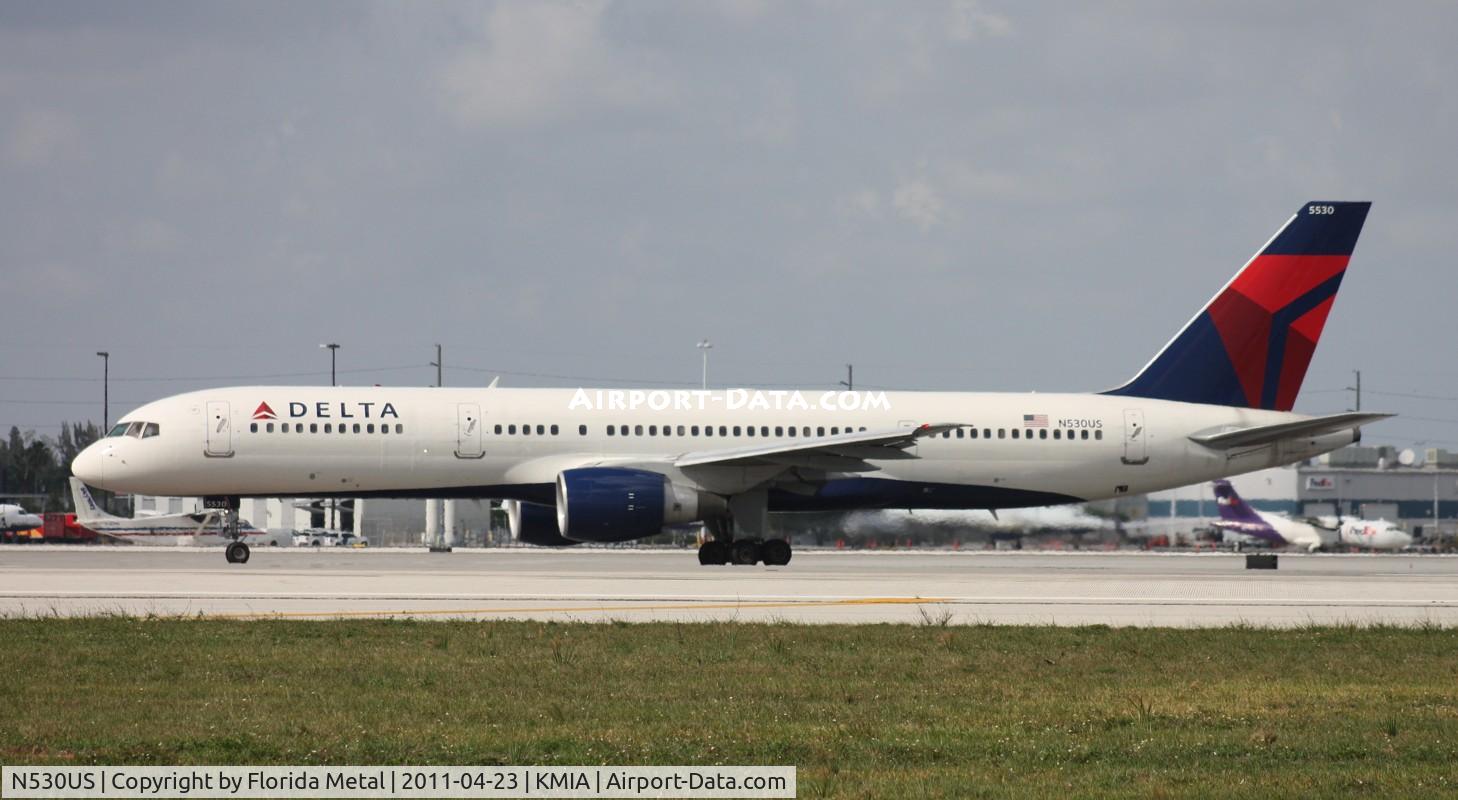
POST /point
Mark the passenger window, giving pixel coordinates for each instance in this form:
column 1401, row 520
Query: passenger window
column 1098, row 434
column 652, row 430
column 972, row 434
column 1002, row 433
column 343, row 428
column 1015, row 433
column 1083, row 434
column 328, row 427
column 313, row 427
column 792, row 431
column 283, row 427
column 764, row 430
column 961, row 433
column 399, row 427
column 370, row 428
column 526, row 430
column 554, row 429
column 269, row 428
column 511, row 430
column 542, row 429
column 356, row 427
column 835, row 431
column 736, row 431
column 820, row 430
column 498, row 430
column 581, row 430
column 610, row 430
column 253, row 428
column 151, row 429
column 637, row 430
column 1057, row 434
column 384, row 428
column 748, row 430
column 805, row 430
column 724, row 428
column 694, row 430
column 680, row 430
column 1043, row 434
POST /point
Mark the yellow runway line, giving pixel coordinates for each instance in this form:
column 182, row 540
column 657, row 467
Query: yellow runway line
column 863, row 601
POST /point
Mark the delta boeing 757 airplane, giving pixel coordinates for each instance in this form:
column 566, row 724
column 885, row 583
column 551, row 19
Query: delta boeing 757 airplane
column 613, row 465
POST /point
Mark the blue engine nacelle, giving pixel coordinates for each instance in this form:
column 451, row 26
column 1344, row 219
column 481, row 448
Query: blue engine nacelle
column 534, row 523
column 616, row 504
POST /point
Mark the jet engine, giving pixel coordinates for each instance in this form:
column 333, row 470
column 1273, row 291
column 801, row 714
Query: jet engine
column 616, row 504
column 534, row 523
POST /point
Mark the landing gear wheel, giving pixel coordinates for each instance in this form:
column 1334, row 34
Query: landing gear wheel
column 713, row 553
column 237, row 553
column 745, row 552
column 776, row 553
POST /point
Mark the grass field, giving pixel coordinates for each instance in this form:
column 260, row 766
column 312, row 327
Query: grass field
column 871, row 711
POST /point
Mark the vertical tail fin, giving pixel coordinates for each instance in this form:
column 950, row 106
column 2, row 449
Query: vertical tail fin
column 86, row 508
column 1250, row 345
column 1232, row 508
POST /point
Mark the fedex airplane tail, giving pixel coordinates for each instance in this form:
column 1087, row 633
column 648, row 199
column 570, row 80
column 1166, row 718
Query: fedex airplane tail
column 86, row 508
column 1232, row 508
column 1250, row 345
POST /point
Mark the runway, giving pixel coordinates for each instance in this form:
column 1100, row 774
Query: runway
column 1119, row 588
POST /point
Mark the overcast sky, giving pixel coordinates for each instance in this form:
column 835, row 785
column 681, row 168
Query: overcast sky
column 965, row 195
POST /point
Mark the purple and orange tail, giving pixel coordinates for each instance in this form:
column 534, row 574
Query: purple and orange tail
column 1250, row 345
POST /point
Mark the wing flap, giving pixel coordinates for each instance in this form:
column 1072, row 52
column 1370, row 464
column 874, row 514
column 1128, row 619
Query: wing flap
column 1266, row 434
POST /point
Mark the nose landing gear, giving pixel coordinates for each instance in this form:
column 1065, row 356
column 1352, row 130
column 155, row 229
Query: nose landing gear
column 237, row 553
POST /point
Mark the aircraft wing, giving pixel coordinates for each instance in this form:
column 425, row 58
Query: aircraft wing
column 843, row 452
column 1266, row 434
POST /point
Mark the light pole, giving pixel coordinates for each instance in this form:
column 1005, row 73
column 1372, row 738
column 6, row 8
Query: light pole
column 333, row 349
column 437, row 364
column 704, row 347
column 850, row 378
column 105, row 389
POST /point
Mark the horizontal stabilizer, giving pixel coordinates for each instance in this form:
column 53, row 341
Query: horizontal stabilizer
column 1266, row 434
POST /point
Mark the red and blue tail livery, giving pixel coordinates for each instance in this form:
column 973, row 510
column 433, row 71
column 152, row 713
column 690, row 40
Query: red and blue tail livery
column 1250, row 345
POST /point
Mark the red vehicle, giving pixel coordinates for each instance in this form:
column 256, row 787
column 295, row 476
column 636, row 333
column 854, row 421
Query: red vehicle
column 62, row 528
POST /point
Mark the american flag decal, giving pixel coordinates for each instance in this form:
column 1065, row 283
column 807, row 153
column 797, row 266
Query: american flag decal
column 1035, row 420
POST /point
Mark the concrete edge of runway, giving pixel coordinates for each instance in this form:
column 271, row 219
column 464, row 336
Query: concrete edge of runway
column 680, row 551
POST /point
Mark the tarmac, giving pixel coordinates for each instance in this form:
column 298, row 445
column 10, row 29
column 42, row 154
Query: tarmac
column 1065, row 588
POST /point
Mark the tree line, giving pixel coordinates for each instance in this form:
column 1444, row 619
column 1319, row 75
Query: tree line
column 41, row 465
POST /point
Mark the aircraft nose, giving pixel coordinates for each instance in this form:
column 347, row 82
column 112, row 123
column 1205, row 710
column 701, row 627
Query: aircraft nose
column 90, row 465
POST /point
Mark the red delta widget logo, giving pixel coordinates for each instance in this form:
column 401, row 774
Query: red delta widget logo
column 324, row 410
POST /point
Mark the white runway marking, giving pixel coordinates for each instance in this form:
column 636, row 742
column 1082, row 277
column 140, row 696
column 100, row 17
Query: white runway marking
column 820, row 587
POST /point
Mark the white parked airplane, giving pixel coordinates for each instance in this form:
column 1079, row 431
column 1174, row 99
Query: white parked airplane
column 614, row 465
column 1276, row 530
column 14, row 518
column 168, row 530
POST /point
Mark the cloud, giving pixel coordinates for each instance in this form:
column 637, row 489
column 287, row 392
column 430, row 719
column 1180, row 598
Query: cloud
column 917, row 200
column 539, row 62
column 967, row 20
column 42, row 137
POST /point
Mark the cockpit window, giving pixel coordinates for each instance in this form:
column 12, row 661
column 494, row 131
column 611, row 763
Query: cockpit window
column 120, row 429
column 151, row 429
column 134, row 430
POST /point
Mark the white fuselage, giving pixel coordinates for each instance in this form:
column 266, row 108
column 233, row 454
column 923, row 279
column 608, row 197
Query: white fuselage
column 15, row 518
column 512, row 443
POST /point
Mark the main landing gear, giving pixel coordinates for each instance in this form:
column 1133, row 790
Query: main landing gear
column 746, row 552
column 741, row 539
